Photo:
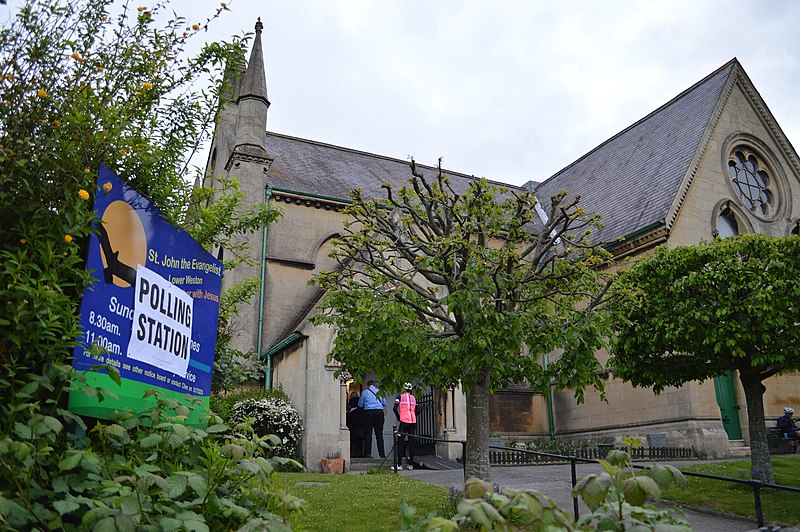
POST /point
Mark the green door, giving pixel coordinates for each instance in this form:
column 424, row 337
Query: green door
column 726, row 399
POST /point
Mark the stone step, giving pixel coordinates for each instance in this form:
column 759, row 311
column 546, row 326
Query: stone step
column 365, row 464
column 736, row 443
column 740, row 452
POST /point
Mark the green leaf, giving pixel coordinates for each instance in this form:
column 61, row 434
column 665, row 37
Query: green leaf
column 193, row 521
column 176, row 486
column 198, row 484
column 129, row 505
column 151, row 440
column 593, row 489
column 70, row 461
column 637, row 489
column 116, row 431
column 53, row 424
column 113, row 372
column 12, row 512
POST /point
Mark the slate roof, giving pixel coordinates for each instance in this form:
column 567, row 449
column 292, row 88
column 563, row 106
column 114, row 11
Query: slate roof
column 633, row 177
column 316, row 168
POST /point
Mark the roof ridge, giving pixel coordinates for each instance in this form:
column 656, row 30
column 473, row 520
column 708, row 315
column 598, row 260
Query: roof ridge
column 388, row 158
column 728, row 65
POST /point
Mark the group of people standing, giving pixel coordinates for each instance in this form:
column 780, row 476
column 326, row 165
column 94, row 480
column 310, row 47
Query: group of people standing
column 365, row 417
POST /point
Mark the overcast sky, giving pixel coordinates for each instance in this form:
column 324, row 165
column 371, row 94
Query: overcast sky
column 510, row 90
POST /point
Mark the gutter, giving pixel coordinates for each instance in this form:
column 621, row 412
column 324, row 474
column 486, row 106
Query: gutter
column 268, row 369
column 309, row 194
column 635, row 234
column 287, row 342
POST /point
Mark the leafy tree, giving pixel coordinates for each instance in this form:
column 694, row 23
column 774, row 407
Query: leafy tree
column 80, row 87
column 466, row 289
column 696, row 312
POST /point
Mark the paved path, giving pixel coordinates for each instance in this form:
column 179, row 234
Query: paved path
column 554, row 482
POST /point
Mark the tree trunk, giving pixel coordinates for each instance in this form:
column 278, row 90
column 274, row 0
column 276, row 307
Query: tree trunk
column 759, row 449
column 477, row 455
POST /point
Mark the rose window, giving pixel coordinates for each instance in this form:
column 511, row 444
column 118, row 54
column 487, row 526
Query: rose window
column 751, row 181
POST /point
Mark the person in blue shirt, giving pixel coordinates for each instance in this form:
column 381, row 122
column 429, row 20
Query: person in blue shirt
column 373, row 418
column 786, row 423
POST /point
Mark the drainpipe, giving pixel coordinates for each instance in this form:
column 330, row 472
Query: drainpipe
column 550, row 416
column 268, row 368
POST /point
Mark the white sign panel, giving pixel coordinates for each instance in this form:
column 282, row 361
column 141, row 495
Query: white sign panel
column 162, row 323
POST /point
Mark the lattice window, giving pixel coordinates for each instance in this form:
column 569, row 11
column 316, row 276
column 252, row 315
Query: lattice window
column 752, row 181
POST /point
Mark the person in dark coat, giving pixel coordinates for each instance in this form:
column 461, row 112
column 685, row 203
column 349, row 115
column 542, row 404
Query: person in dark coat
column 787, row 425
column 355, row 422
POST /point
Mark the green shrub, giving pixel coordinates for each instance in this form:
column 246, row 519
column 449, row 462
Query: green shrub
column 81, row 87
column 617, row 497
column 147, row 471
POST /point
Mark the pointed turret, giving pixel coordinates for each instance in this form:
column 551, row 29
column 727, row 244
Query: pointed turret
column 254, row 81
column 252, row 103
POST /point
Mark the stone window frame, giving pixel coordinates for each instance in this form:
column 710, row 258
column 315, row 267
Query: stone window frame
column 769, row 162
column 733, row 208
column 793, row 229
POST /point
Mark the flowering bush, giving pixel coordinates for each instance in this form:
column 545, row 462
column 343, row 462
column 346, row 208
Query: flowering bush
column 273, row 415
column 80, row 87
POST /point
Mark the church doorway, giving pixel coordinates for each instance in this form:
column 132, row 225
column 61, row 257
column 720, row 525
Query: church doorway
column 729, row 410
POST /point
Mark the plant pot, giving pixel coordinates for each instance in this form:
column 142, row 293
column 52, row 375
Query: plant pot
column 333, row 465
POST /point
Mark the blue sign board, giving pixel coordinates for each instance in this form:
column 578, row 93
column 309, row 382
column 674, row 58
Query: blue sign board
column 153, row 306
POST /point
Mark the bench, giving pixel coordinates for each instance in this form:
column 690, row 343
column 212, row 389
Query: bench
column 779, row 444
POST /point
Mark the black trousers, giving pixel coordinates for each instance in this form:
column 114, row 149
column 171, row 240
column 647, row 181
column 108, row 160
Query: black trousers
column 406, row 442
column 373, row 422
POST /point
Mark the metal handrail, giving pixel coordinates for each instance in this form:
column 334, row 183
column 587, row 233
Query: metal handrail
column 757, row 485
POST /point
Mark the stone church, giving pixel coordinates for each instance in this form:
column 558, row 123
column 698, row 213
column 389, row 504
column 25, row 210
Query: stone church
column 712, row 161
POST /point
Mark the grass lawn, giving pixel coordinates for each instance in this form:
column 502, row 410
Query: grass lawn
column 360, row 501
column 778, row 506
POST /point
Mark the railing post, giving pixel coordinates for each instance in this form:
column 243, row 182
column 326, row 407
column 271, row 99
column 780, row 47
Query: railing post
column 464, row 458
column 574, row 482
column 757, row 500
column 394, row 447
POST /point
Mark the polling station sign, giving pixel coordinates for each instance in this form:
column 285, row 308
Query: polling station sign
column 152, row 308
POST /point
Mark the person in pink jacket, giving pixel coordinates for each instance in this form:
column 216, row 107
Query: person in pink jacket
column 405, row 408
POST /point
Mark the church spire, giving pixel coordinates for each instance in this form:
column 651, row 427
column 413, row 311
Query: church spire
column 252, row 102
column 254, row 81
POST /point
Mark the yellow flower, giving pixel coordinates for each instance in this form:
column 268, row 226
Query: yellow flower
column 147, row 86
column 140, row 8
column 57, row 123
column 123, row 151
column 99, row 69
column 223, row 4
column 67, row 238
column 41, row 93
column 195, row 27
column 107, row 187
column 82, row 194
column 77, row 57
column 138, row 93
column 22, row 241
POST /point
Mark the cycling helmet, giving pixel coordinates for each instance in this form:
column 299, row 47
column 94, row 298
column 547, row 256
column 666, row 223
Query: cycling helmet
column 408, row 386
column 788, row 410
